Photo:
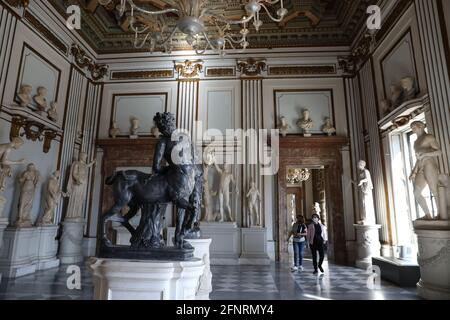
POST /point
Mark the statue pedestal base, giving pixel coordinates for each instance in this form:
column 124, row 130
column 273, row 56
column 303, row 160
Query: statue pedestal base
column 201, row 251
column 3, row 225
column 48, row 247
column 433, row 239
column 70, row 251
column 367, row 244
column 254, row 249
column 2, row 205
column 226, row 241
column 116, row 279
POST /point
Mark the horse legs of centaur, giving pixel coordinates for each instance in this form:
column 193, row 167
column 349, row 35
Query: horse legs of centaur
column 179, row 182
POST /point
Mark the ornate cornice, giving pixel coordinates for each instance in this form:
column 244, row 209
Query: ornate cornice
column 220, row 72
column 251, row 67
column 18, row 3
column 189, row 69
column 98, row 71
column 142, row 75
column 301, row 70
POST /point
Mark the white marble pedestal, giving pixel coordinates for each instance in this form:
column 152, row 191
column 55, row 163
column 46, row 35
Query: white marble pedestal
column 48, row 247
column 201, row 251
column 254, row 249
column 226, row 241
column 433, row 239
column 116, row 279
column 70, row 250
column 367, row 244
column 3, row 225
column 18, row 255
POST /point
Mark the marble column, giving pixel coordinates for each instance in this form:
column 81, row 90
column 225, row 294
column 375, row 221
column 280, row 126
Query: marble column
column 187, row 109
column 437, row 73
column 8, row 24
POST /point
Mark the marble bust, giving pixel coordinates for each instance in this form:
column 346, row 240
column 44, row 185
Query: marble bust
column 114, row 131
column 24, row 95
column 397, row 96
column 284, row 126
column 426, row 169
column 134, row 128
column 41, row 100
column 28, row 181
column 306, row 123
column 328, row 127
column 52, row 112
column 409, row 87
column 385, row 106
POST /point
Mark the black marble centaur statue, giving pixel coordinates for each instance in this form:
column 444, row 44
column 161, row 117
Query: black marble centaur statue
column 179, row 182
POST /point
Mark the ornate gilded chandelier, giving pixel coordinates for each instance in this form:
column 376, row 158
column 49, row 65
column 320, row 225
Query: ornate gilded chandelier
column 296, row 176
column 192, row 17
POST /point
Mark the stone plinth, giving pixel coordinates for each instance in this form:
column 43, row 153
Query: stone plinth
column 367, row 244
column 433, row 239
column 48, row 247
column 254, row 249
column 201, row 251
column 116, row 279
column 71, row 244
column 3, row 225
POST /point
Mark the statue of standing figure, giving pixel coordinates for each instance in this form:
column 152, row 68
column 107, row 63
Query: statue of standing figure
column 253, row 198
column 208, row 161
column 52, row 198
column 426, row 169
column 28, row 181
column 76, row 187
column 226, row 177
column 366, row 186
column 5, row 163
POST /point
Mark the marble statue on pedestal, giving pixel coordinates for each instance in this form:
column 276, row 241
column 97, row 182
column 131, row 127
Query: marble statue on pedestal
column 328, row 127
column 114, row 131
column 76, row 187
column 208, row 161
column 226, row 178
column 5, row 163
column 28, row 181
column 24, row 95
column 366, row 187
column 426, row 169
column 316, row 208
column 53, row 112
column 306, row 123
column 52, row 198
column 134, row 130
column 284, row 126
column 253, row 198
column 41, row 100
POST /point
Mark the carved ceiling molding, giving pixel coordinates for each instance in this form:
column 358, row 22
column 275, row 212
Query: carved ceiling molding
column 220, row 72
column 142, row 75
column 301, row 70
column 98, row 71
column 251, row 67
column 189, row 69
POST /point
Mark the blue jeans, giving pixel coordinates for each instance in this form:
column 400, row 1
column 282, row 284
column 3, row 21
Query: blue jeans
column 299, row 248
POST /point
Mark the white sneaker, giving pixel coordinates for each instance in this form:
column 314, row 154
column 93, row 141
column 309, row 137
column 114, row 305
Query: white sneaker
column 300, row 268
column 294, row 269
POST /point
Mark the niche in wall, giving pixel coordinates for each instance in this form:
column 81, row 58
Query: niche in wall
column 143, row 106
column 291, row 103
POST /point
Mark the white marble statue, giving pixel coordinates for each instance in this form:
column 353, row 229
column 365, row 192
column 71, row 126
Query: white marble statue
column 134, row 130
column 284, row 126
column 155, row 132
column 366, row 187
column 328, row 127
column 426, row 169
column 397, row 96
column 52, row 198
column 5, row 163
column 409, row 88
column 226, row 178
column 306, row 123
column 24, row 95
column 208, row 160
column 114, row 131
column 53, row 112
column 253, row 198
column 41, row 100
column 76, row 188
column 316, row 208
column 28, row 181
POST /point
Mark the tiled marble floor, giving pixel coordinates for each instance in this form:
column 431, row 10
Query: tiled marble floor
column 274, row 282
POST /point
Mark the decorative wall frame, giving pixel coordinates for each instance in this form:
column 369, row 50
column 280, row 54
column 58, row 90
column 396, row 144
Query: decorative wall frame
column 143, row 106
column 290, row 104
column 37, row 71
